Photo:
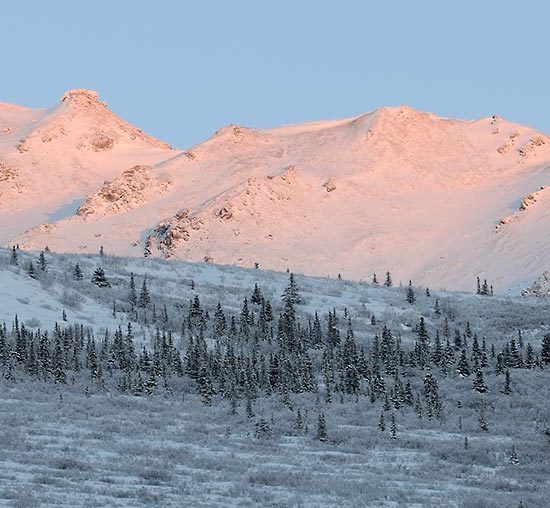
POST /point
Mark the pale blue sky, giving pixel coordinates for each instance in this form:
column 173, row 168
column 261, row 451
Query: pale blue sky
column 180, row 70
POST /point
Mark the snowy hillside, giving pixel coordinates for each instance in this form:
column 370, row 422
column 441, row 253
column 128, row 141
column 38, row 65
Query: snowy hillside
column 51, row 159
column 434, row 200
column 128, row 382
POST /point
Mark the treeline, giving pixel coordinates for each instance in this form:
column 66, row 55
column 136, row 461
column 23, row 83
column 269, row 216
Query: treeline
column 255, row 353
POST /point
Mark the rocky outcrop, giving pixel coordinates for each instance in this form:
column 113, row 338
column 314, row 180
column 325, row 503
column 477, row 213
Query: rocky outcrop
column 509, row 143
column 82, row 97
column 170, row 233
column 129, row 190
column 541, row 287
column 526, row 203
column 532, row 145
column 7, row 173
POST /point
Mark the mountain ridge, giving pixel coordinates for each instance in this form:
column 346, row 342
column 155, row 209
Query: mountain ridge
column 397, row 189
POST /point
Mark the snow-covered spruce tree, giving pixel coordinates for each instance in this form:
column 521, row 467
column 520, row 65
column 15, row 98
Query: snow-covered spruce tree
column 220, row 322
column 422, row 344
column 263, row 429
column 42, row 264
column 132, row 294
column 298, row 425
column 321, row 434
column 257, row 297
column 350, row 364
column 393, row 427
column 411, row 297
column 482, row 417
column 382, row 421
column 291, row 293
column 479, row 382
column 144, row 299
column 77, row 272
column 515, row 359
column 545, row 350
column 14, row 259
column 31, row 271
column 99, row 278
column 388, row 281
column 463, row 367
column 434, row 406
column 484, row 288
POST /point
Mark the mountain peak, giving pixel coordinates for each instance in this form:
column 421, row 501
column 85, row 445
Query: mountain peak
column 81, row 96
column 404, row 112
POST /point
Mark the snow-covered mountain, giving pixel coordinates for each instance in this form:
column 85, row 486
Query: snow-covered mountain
column 435, row 200
column 50, row 159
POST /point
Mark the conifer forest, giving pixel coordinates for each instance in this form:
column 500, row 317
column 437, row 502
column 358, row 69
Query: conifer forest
column 127, row 382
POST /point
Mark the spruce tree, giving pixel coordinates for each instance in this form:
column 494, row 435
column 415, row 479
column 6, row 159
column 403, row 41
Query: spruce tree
column 263, row 429
column 77, row 272
column 42, row 261
column 382, row 422
column 484, row 288
column 411, row 297
column 418, row 406
column 144, row 298
column 482, row 418
column 434, row 405
column 388, row 282
column 132, row 295
column 479, row 382
column 291, row 293
column 507, row 389
column 321, row 434
column 393, row 427
column 30, row 271
column 99, row 278
column 514, row 459
column 545, row 351
column 299, row 422
column 151, row 383
column 257, row 297
column 14, row 257
column 463, row 368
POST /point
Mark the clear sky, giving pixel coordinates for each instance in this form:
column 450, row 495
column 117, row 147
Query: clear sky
column 182, row 69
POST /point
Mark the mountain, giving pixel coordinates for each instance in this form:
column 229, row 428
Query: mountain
column 435, row 200
column 50, row 159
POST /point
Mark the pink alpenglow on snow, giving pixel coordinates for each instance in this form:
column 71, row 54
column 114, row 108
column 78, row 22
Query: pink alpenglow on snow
column 435, row 200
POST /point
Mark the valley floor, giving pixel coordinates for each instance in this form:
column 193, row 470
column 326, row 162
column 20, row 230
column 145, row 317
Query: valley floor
column 66, row 449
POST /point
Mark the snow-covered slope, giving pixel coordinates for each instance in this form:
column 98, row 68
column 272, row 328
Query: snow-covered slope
column 434, row 200
column 51, row 159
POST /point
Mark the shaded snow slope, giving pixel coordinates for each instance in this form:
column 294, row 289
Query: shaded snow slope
column 431, row 199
